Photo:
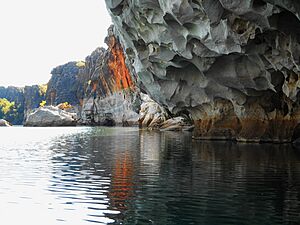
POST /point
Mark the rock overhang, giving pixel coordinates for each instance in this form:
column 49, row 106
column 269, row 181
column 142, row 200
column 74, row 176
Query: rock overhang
column 233, row 65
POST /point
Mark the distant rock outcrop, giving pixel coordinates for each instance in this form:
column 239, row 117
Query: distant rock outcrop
column 232, row 66
column 49, row 116
column 23, row 99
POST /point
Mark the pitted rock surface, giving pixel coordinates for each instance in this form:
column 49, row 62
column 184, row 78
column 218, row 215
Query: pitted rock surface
column 232, row 65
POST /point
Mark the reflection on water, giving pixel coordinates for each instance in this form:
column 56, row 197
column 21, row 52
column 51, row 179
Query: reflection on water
column 126, row 176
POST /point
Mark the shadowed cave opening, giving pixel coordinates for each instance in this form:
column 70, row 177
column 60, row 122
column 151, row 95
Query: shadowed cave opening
column 287, row 23
column 259, row 5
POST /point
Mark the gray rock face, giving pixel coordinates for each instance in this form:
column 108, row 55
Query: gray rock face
column 231, row 65
column 50, row 116
column 65, row 84
column 115, row 109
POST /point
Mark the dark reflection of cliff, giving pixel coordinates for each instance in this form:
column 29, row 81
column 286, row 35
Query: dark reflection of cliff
column 166, row 178
column 192, row 182
column 258, row 182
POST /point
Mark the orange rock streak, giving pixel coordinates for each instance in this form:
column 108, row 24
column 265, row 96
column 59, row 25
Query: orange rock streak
column 117, row 65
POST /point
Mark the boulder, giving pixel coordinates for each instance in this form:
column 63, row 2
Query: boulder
column 152, row 115
column 176, row 124
column 50, row 116
column 4, row 123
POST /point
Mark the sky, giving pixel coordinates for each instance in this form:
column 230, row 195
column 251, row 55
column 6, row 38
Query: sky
column 36, row 36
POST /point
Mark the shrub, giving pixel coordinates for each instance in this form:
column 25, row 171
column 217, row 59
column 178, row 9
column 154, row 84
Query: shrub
column 65, row 105
column 80, row 64
column 43, row 103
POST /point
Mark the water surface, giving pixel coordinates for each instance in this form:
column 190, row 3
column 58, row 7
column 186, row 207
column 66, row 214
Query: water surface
column 126, row 176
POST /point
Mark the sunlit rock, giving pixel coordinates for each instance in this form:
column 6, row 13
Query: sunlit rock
column 4, row 123
column 231, row 66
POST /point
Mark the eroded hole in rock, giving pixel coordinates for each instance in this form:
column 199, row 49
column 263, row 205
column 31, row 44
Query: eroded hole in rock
column 180, row 62
column 240, row 25
column 277, row 79
column 139, row 45
column 168, row 17
column 259, row 5
column 171, row 21
column 287, row 23
column 130, row 52
column 119, row 9
column 296, row 133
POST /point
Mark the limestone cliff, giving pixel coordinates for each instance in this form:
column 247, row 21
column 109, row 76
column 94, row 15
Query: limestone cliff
column 232, row 65
column 110, row 95
column 65, row 84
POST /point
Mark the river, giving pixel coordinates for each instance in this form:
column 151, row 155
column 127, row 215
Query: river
column 83, row 175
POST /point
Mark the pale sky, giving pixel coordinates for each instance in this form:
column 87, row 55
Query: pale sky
column 38, row 35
